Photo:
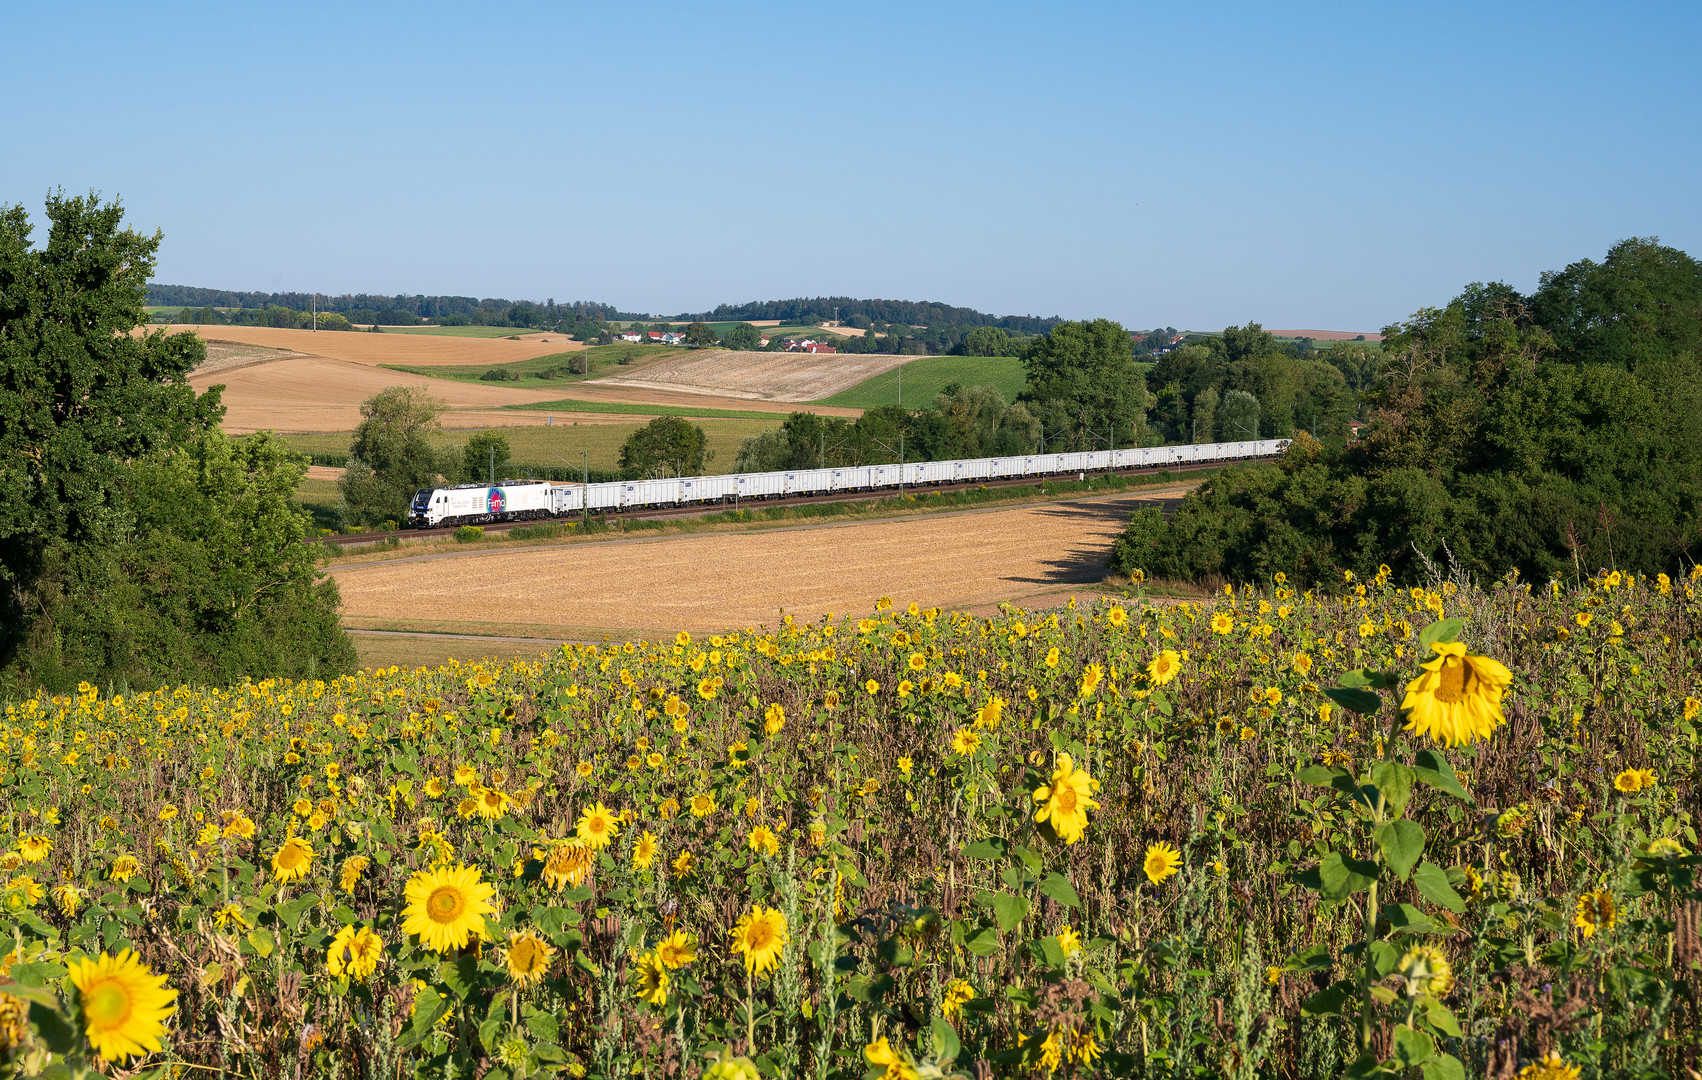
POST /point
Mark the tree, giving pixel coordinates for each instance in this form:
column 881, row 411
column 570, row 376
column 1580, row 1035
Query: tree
column 1237, row 417
column 1204, row 425
column 392, row 456
column 484, row 450
column 97, row 426
column 1083, row 384
column 986, row 341
column 667, row 445
column 744, row 336
column 700, row 334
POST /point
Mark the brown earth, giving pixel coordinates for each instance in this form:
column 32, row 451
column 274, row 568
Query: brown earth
column 413, row 350
column 789, row 376
column 1033, row 555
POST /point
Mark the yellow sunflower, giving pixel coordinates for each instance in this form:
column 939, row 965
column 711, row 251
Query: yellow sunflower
column 1457, row 698
column 644, row 852
column 124, row 1005
column 447, row 907
column 597, row 826
column 35, row 848
column 1164, row 667
column 1426, row 971
column 1551, row 1067
column 965, row 741
column 702, row 804
column 1222, row 623
column 292, row 860
column 491, row 804
column 675, row 950
column 1067, row 799
column 650, row 980
column 569, row 864
column 527, row 957
column 354, row 953
column 1090, row 677
column 1596, row 911
column 760, row 935
column 1162, row 861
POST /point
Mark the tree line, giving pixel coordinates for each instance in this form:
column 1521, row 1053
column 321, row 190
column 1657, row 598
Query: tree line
column 1553, row 433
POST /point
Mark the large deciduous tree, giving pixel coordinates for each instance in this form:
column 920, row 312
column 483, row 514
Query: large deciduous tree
column 392, row 455
column 1084, row 386
column 666, row 446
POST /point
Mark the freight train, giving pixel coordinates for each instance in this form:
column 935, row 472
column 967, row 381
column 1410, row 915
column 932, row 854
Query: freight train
column 530, row 500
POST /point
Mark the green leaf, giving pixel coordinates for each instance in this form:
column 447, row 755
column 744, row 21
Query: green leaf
column 1385, row 958
column 1360, row 701
column 982, row 941
column 544, row 1026
column 263, row 941
column 59, row 1036
column 1341, row 877
column 489, row 1029
column 1053, row 950
column 1328, row 1001
column 290, row 913
column 1355, row 679
column 1432, row 768
column 1406, row 919
column 1432, row 883
column 1402, row 843
column 1413, row 1047
column 1058, row 887
column 460, row 975
column 1319, row 775
column 1444, row 1067
column 1438, row 1016
column 1394, row 780
column 38, row 972
column 946, row 1043
column 994, row 847
column 429, row 1007
column 1443, row 630
column 1317, row 958
column 1009, row 910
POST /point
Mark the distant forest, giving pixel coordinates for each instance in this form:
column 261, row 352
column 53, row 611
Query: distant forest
column 397, row 310
column 861, row 313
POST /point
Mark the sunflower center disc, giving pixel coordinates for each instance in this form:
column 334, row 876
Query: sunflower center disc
column 445, row 904
column 1453, row 686
column 107, row 1005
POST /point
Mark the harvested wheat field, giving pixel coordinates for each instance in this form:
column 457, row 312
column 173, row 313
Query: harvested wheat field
column 1032, row 555
column 315, row 393
column 414, row 350
column 758, row 375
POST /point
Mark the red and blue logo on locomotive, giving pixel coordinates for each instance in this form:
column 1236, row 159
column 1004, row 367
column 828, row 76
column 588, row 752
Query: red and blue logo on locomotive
column 495, row 501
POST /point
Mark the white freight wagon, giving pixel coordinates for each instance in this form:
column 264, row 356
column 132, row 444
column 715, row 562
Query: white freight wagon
column 704, row 489
column 664, row 492
column 603, row 496
column 973, row 469
column 761, row 485
column 567, row 499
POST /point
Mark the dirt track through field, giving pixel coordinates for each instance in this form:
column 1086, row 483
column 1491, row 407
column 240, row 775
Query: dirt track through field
column 786, row 376
column 1032, row 555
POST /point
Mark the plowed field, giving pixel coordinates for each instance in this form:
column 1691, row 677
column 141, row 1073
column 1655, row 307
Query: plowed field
column 1032, row 555
column 758, row 375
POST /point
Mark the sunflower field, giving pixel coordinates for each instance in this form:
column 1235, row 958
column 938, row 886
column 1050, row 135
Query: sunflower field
column 1368, row 831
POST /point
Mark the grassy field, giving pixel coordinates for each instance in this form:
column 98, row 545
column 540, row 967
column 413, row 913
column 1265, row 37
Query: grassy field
column 321, row 499
column 559, row 446
column 632, row 409
column 553, row 369
column 928, row 375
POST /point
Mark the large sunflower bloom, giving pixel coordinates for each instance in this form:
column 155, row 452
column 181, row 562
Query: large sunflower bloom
column 124, row 1004
column 292, row 860
column 1067, row 799
column 597, row 826
column 354, row 953
column 1457, row 698
column 447, row 907
column 760, row 935
column 527, row 957
column 675, row 950
column 1164, row 667
column 651, row 979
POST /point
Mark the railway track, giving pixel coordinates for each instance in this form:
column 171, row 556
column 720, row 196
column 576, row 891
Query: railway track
column 702, row 509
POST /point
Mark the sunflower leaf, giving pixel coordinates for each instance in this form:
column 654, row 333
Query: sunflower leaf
column 1402, row 843
column 1058, row 887
column 1443, row 1067
column 993, row 847
column 292, row 911
column 1009, row 910
column 1432, row 768
column 1443, row 630
column 1340, row 877
column 1360, row 701
column 946, row 1044
column 1432, row 883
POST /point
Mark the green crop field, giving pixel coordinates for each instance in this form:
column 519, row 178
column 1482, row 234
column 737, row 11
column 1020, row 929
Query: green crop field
column 630, row 409
column 926, row 376
column 554, row 368
column 558, row 447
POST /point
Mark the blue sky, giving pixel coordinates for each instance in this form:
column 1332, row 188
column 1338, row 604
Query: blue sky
column 1329, row 166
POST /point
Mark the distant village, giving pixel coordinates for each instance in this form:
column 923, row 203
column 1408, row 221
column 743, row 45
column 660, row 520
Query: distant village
column 671, row 337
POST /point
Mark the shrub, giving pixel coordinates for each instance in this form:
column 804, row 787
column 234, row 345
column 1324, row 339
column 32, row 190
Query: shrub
column 466, row 534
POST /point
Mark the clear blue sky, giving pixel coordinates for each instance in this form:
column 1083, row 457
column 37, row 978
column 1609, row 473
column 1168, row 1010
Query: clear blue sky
column 1330, row 166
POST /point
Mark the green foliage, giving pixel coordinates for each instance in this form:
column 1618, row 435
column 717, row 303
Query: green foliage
column 986, row 341
column 666, row 446
column 742, row 336
column 484, row 456
column 136, row 542
column 1084, row 386
column 1555, row 434
column 467, row 534
column 392, row 455
column 700, row 334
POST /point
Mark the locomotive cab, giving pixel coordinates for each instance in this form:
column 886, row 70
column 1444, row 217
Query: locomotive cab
column 420, row 508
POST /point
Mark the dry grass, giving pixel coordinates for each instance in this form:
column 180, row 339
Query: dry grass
column 1035, row 556
column 373, row 349
column 761, row 376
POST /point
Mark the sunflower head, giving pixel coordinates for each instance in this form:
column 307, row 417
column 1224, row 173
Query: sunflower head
column 1456, row 697
column 124, row 1006
column 759, row 936
column 292, row 860
column 446, row 907
column 1161, row 862
column 527, row 957
column 597, row 826
column 651, row 979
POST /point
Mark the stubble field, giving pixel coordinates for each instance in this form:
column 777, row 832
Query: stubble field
column 760, row 375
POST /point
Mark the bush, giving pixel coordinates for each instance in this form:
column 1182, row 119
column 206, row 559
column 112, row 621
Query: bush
column 495, row 374
column 466, row 534
column 543, row 530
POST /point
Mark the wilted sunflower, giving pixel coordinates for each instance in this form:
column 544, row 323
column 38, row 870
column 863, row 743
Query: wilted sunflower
column 354, row 953
column 1162, row 861
column 1596, row 911
column 527, row 957
column 291, row 861
column 447, row 906
column 35, row 848
column 1067, row 799
column 1426, row 971
column 650, row 980
column 124, row 868
column 124, row 1005
column 568, row 865
column 760, row 935
column 597, row 826
column 1457, row 699
column 353, row 867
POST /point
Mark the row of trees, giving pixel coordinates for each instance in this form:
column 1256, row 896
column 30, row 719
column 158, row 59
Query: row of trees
column 138, row 544
column 1553, row 433
column 400, row 310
